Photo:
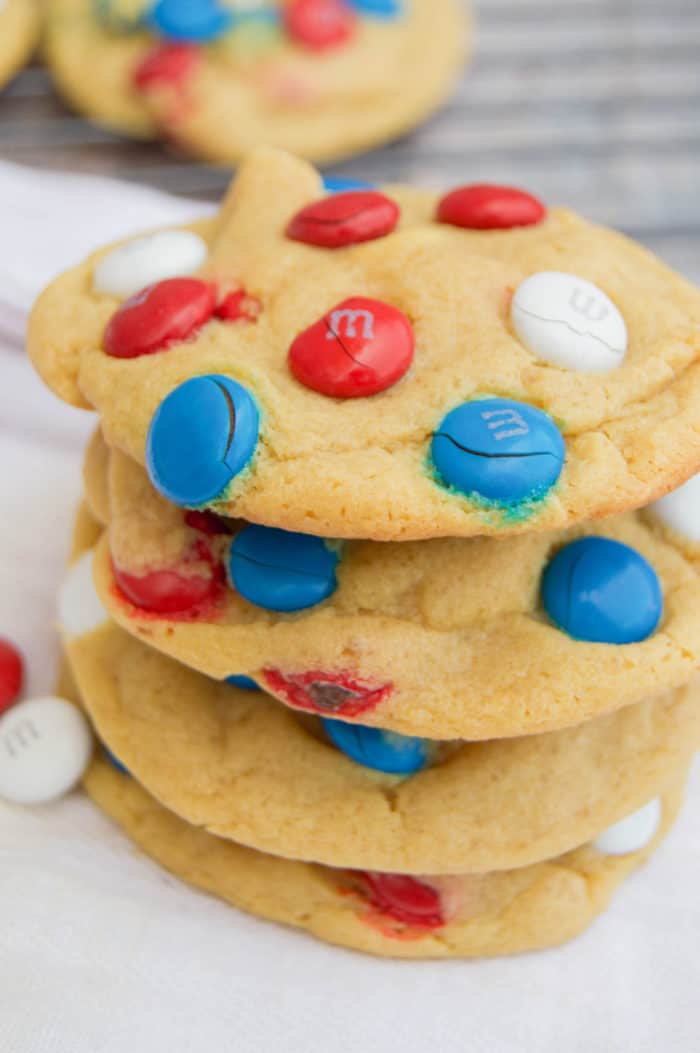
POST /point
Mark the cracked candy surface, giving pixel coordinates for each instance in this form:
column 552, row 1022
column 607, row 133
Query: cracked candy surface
column 242, row 93
column 491, row 914
column 243, row 767
column 19, row 35
column 456, row 626
column 358, row 467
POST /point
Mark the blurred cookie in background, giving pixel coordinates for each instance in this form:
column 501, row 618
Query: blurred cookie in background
column 324, row 78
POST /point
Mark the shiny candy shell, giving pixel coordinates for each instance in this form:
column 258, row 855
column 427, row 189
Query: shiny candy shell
column 403, row 898
column 195, row 21
column 633, row 833
column 602, row 591
column 282, row 571
column 319, row 24
column 498, row 450
column 201, row 437
column 569, row 322
column 11, row 674
column 340, row 184
column 486, row 207
column 137, row 264
column 45, row 747
column 680, row 510
column 359, row 348
column 243, row 683
column 381, row 750
column 167, row 591
column 343, row 219
column 169, row 312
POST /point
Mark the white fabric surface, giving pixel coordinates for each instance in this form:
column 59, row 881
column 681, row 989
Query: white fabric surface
column 101, row 952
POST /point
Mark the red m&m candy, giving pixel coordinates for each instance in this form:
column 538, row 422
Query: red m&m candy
column 345, row 219
column 11, row 674
column 486, row 207
column 359, row 348
column 167, row 591
column 319, row 24
column 403, row 898
column 166, row 313
column 165, row 64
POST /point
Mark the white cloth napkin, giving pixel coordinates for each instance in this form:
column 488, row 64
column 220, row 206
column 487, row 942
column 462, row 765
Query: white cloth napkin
column 101, row 952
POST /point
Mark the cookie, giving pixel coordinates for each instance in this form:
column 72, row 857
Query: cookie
column 448, row 638
column 211, row 753
column 358, row 365
column 325, row 78
column 388, row 914
column 19, row 35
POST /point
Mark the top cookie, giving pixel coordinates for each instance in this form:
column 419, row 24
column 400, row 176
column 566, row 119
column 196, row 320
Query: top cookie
column 384, row 366
column 325, row 78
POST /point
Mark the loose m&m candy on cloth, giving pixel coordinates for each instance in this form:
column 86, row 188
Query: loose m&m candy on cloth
column 384, row 751
column 498, row 450
column 11, row 674
column 282, row 571
column 602, row 591
column 345, row 219
column 201, row 437
column 45, row 747
column 359, row 348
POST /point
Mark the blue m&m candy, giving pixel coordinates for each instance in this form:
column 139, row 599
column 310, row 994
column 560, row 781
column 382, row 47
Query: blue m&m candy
column 377, row 8
column 340, row 185
column 282, row 571
column 245, row 683
column 196, row 21
column 498, row 450
column 115, row 762
column 381, row 750
column 201, row 436
column 602, row 591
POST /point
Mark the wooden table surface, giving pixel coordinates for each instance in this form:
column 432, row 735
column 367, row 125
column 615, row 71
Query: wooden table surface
column 594, row 103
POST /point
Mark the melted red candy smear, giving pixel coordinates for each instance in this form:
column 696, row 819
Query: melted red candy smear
column 11, row 674
column 238, row 306
column 403, row 899
column 168, row 592
column 345, row 219
column 325, row 693
column 166, row 313
column 358, row 349
column 319, row 24
column 206, row 522
column 165, row 64
column 486, row 207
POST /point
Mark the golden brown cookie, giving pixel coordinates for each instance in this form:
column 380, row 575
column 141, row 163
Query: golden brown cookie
column 243, row 767
column 318, row 77
column 19, row 35
column 448, row 638
column 429, row 380
column 459, row 917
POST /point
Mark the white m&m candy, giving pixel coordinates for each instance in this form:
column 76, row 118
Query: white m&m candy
column 680, row 510
column 135, row 265
column 80, row 609
column 45, row 746
column 569, row 322
column 632, row 833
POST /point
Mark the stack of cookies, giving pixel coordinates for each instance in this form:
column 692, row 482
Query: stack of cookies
column 368, row 607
